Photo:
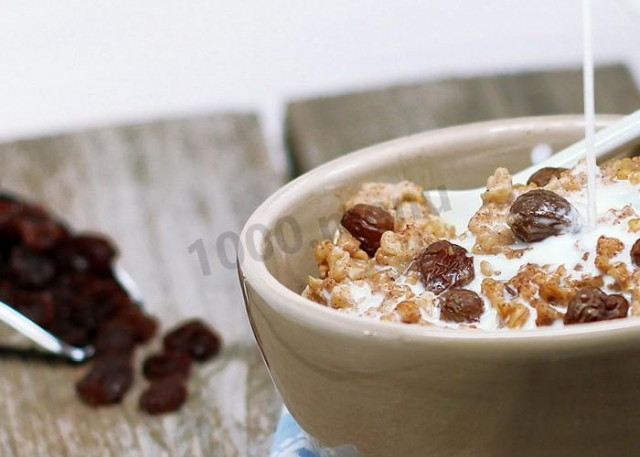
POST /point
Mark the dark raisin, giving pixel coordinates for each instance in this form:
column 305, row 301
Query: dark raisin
column 539, row 214
column 106, row 383
column 194, row 338
column 37, row 306
column 9, row 208
column 38, row 230
column 164, row 396
column 461, row 305
column 86, row 253
column 635, row 253
column 444, row 265
column 167, row 364
column 367, row 223
column 144, row 326
column 590, row 304
column 542, row 177
column 93, row 300
column 29, row 269
column 115, row 337
column 5, row 290
column 70, row 333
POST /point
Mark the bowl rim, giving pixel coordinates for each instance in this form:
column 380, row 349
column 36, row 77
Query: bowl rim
column 293, row 306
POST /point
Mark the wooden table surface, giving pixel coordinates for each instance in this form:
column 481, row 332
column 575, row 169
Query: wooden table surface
column 156, row 189
column 323, row 128
column 173, row 194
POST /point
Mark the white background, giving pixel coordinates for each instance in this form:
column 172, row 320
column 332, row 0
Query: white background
column 67, row 64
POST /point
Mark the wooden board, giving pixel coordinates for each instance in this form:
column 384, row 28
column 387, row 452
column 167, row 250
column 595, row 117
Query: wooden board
column 156, row 189
column 324, row 128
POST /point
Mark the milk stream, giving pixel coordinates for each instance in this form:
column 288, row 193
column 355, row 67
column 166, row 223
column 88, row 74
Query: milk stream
column 589, row 112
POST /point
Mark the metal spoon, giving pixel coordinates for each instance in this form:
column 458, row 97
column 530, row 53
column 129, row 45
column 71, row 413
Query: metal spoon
column 457, row 206
column 52, row 343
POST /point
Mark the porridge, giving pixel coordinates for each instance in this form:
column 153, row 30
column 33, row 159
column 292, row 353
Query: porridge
column 527, row 259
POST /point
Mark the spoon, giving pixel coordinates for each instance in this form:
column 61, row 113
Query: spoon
column 51, row 343
column 458, row 206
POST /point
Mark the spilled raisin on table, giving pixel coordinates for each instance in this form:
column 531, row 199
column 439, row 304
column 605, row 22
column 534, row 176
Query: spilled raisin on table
column 173, row 363
column 106, row 382
column 65, row 282
column 168, row 372
column 164, row 396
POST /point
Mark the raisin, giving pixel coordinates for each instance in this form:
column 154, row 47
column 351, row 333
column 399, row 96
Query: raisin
column 542, row 177
column 635, row 253
column 86, row 253
column 9, row 208
column 5, row 290
column 444, row 265
column 539, row 214
column 161, row 366
column 590, row 304
column 106, row 383
column 29, row 269
column 115, row 337
column 164, row 396
column 37, row 306
column 194, row 338
column 144, row 326
column 93, row 300
column 367, row 223
column 38, row 231
column 461, row 305
column 69, row 333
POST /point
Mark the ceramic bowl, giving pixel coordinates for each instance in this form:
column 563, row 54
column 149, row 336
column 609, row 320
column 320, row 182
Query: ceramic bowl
column 394, row 390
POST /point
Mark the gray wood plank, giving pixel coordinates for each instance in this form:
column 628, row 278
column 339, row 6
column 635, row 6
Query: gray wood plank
column 156, row 189
column 321, row 129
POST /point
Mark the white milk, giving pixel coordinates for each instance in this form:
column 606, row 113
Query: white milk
column 589, row 113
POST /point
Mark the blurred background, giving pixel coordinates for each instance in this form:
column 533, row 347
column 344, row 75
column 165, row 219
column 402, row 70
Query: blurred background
column 67, row 65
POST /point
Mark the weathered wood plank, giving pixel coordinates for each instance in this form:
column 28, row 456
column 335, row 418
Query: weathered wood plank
column 324, row 128
column 156, row 189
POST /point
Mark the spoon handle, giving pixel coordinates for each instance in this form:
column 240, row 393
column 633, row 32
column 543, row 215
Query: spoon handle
column 607, row 141
column 40, row 336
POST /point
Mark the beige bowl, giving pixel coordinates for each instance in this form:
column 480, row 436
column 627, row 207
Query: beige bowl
column 394, row 390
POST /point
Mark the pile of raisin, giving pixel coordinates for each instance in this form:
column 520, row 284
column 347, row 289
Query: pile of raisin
column 65, row 282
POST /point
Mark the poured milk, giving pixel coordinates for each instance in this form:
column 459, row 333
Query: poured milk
column 589, row 113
